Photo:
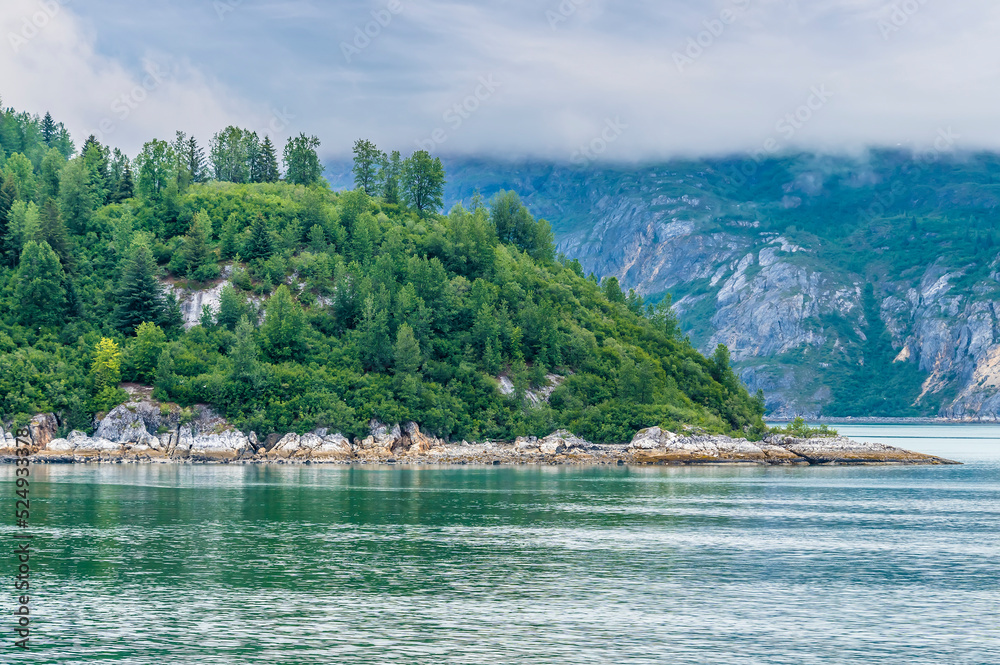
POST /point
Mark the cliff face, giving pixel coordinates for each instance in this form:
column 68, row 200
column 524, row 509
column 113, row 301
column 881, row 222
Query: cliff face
column 776, row 266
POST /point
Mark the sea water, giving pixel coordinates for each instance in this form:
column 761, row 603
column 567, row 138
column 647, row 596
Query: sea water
column 333, row 564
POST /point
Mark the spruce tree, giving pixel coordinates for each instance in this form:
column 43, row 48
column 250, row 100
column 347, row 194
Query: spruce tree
column 7, row 197
column 259, row 246
column 52, row 230
column 39, row 290
column 48, row 129
column 139, row 296
column 195, row 160
column 126, row 187
column 195, row 251
column 283, row 328
column 269, row 161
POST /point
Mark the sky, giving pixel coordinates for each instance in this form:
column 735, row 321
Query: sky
column 564, row 80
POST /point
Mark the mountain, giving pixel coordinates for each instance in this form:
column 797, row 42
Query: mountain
column 863, row 285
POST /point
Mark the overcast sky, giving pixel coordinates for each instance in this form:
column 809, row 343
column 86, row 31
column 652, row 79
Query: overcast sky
column 631, row 79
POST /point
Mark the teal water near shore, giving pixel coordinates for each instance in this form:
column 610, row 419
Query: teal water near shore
column 277, row 564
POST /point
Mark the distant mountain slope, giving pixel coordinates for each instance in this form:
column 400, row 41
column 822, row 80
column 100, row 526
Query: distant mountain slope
column 773, row 258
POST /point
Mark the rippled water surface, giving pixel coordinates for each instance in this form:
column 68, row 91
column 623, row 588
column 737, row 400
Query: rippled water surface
column 232, row 564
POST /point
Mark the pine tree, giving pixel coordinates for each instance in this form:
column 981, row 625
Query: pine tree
column 406, row 352
column 231, row 308
column 139, row 296
column 48, row 129
column 283, row 328
column 39, row 291
column 195, row 251
column 52, row 230
column 195, row 160
column 259, row 246
column 269, row 161
column 7, row 197
column 126, row 187
column 389, row 175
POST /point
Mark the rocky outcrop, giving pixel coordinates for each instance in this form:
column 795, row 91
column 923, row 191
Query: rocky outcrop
column 43, row 428
column 122, row 436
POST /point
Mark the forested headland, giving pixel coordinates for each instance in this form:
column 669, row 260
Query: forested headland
column 339, row 307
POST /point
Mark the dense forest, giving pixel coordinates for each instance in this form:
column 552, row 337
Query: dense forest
column 338, row 307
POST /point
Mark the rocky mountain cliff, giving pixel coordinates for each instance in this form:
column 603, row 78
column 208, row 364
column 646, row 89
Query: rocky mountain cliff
column 774, row 258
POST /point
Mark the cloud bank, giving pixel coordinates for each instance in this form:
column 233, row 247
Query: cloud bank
column 569, row 80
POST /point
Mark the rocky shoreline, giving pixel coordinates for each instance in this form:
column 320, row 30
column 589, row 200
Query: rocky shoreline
column 126, row 434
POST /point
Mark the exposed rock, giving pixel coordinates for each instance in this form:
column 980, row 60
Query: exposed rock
column 333, row 446
column 841, row 450
column 652, row 437
column 43, row 428
column 526, row 444
column 288, row 446
column 84, row 446
column 229, row 444
column 416, row 443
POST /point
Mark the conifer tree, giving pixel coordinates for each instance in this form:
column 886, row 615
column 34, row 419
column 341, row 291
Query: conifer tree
column 48, row 129
column 389, row 174
column 7, row 197
column 268, row 161
column 283, row 328
column 195, row 160
column 195, row 251
column 139, row 296
column 39, row 291
column 259, row 246
column 126, row 187
column 52, row 230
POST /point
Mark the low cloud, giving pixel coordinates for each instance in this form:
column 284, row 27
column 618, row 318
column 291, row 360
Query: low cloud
column 680, row 77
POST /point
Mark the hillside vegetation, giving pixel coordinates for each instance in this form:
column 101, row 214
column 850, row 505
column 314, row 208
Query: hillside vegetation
column 338, row 308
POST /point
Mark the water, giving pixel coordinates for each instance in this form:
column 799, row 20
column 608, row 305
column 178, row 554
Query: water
column 224, row 564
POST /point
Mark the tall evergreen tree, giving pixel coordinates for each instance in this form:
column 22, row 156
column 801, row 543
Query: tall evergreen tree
column 126, row 188
column 39, row 291
column 302, row 165
column 77, row 197
column 367, row 158
column 52, row 166
column 197, row 256
column 269, row 161
column 52, row 231
column 389, row 174
column 139, row 296
column 283, row 328
column 7, row 197
column 48, row 129
column 195, row 160
column 260, row 245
